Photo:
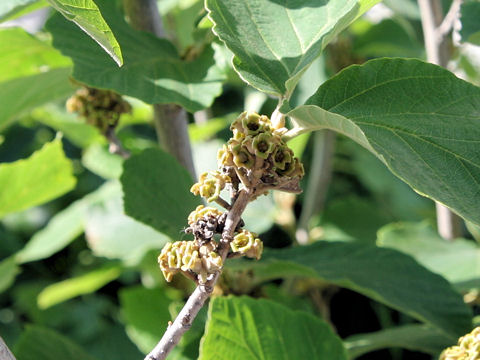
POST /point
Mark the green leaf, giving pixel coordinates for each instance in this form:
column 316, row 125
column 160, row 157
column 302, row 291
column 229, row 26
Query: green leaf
column 70, row 125
column 38, row 343
column 88, row 17
column 457, row 261
column 157, row 191
column 109, row 233
column 246, row 328
column 418, row 118
column 470, row 13
column 146, row 315
column 64, row 227
column 8, row 271
column 412, row 337
column 32, row 74
column 275, row 41
column 20, row 95
column 84, row 284
column 44, row 176
column 379, row 273
column 23, row 55
column 153, row 71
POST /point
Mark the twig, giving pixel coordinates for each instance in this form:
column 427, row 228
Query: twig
column 115, row 145
column 5, row 353
column 449, row 21
column 170, row 120
column 195, row 302
column 223, row 203
column 436, row 46
column 318, row 181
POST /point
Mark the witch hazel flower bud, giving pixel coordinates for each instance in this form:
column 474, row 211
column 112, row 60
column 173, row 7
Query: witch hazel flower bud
column 203, row 212
column 246, row 243
column 210, row 188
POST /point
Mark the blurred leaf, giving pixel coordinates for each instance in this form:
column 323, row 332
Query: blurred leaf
column 412, row 337
column 112, row 234
column 407, row 8
column 272, row 55
column 11, row 9
column 201, row 132
column 146, row 315
column 20, row 95
column 393, row 197
column 73, row 128
column 64, row 227
column 8, row 271
column 44, row 176
column 457, row 261
column 379, row 273
column 88, row 17
column 418, row 118
column 79, row 285
column 358, row 218
column 24, row 55
column 32, row 73
column 470, row 13
column 279, row 295
column 387, row 38
column 157, row 191
column 474, row 230
column 246, row 328
column 153, row 70
column 100, row 161
column 38, row 343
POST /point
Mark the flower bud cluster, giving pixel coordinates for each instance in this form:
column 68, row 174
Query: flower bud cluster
column 257, row 149
column 468, row 348
column 100, row 108
column 189, row 257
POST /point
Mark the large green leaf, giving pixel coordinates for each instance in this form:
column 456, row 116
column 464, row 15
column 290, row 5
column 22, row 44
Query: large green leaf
column 413, row 337
column 45, row 175
column 157, row 191
column 39, row 343
column 84, row 284
column 457, row 261
column 152, row 71
column 379, row 273
column 248, row 329
column 418, row 118
column 64, row 227
column 470, row 13
column 87, row 16
column 275, row 41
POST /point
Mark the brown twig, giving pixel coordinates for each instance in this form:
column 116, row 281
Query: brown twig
column 195, row 302
column 115, row 145
column 170, row 120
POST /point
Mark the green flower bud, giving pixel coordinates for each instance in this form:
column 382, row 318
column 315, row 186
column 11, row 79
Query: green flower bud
column 247, row 244
column 263, row 145
column 468, row 348
column 282, row 156
column 242, row 157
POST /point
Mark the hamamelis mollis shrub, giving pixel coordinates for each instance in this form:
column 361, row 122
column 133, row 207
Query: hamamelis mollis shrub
column 302, row 234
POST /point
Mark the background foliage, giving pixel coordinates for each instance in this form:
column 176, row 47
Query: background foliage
column 80, row 228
